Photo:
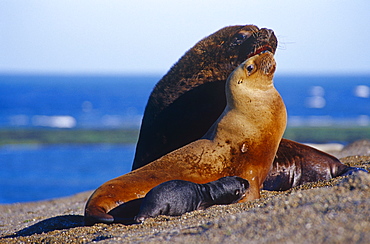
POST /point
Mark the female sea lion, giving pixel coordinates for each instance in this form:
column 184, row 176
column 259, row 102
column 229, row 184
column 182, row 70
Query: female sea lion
column 242, row 142
column 191, row 96
column 177, row 197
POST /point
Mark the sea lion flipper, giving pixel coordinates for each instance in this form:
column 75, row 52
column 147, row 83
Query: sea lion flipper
column 100, row 217
column 123, row 213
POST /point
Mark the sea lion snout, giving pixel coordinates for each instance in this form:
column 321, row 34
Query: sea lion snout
column 268, row 64
column 265, row 41
column 266, row 34
column 263, row 62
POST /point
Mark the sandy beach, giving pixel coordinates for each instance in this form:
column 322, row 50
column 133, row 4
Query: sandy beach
column 335, row 211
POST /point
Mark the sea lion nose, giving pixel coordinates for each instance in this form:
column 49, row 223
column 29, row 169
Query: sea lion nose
column 266, row 34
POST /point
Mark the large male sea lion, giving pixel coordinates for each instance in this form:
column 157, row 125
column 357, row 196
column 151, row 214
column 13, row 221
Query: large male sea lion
column 242, row 142
column 190, row 97
column 176, row 197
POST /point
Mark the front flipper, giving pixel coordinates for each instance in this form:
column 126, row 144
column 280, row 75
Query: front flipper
column 123, row 214
column 97, row 215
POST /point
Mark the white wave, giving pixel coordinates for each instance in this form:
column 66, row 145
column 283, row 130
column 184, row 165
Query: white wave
column 362, row 91
column 65, row 121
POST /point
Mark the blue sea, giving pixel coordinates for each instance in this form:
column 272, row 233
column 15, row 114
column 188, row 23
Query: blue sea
column 38, row 172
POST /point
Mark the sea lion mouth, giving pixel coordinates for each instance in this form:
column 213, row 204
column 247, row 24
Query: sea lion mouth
column 261, row 49
column 260, row 41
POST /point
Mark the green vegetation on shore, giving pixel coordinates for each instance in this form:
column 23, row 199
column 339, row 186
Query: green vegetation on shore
column 327, row 134
column 67, row 136
column 129, row 136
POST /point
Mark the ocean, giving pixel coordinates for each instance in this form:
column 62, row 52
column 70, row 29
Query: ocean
column 37, row 172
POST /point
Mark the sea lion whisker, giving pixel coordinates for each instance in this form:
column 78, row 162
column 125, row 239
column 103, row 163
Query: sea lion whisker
column 282, row 45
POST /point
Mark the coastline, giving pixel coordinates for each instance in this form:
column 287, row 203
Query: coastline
column 331, row 211
column 38, row 135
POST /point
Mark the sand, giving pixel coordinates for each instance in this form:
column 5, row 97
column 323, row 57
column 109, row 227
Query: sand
column 335, row 211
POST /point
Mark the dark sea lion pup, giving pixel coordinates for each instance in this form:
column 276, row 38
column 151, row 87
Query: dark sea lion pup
column 242, row 142
column 177, row 197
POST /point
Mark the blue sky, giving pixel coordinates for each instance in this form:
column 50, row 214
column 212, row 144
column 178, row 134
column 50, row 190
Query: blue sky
column 125, row 37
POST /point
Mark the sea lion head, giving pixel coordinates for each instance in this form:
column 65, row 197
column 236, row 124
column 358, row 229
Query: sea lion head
column 260, row 66
column 254, row 73
column 234, row 44
column 250, row 41
column 229, row 189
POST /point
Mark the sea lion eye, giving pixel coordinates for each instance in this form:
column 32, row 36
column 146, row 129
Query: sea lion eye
column 240, row 38
column 237, row 192
column 250, row 68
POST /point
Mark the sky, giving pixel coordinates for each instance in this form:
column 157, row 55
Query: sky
column 141, row 37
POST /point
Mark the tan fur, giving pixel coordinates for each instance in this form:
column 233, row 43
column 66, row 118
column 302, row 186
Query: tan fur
column 242, row 142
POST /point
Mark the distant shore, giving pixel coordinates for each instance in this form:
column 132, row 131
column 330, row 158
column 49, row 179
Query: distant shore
column 67, row 136
column 317, row 135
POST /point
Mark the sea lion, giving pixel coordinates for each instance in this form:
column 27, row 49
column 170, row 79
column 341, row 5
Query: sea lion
column 242, row 142
column 190, row 97
column 177, row 197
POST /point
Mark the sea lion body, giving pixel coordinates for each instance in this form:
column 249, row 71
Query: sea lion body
column 177, row 197
column 242, row 142
column 191, row 96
